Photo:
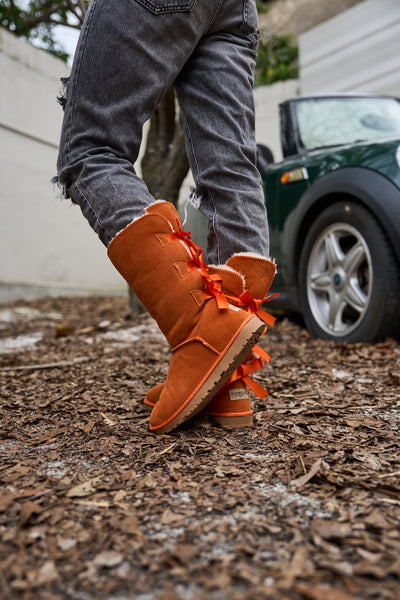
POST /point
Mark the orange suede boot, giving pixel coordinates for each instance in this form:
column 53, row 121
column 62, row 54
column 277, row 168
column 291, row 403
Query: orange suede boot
column 209, row 337
column 231, row 407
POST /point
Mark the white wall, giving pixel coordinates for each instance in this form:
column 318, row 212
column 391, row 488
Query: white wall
column 358, row 50
column 267, row 100
column 46, row 247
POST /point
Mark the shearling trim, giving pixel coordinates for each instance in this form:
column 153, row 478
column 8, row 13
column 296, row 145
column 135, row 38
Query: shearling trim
column 228, row 268
column 124, row 231
column 253, row 255
column 135, row 220
column 224, row 267
column 169, row 224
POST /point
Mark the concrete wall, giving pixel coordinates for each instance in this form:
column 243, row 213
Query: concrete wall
column 267, row 100
column 357, row 50
column 46, row 247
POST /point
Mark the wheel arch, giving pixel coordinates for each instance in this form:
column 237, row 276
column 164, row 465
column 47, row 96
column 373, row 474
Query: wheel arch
column 355, row 184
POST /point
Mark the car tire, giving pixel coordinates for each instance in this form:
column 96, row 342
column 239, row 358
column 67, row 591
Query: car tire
column 349, row 277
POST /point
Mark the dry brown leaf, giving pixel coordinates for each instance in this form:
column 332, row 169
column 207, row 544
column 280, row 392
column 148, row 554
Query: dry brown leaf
column 301, row 481
column 320, row 592
column 6, row 500
column 47, row 574
column 395, row 374
column 83, row 489
column 27, row 510
column 170, row 516
column 108, row 559
column 331, row 529
column 63, row 330
column 120, row 495
column 203, row 511
column 377, row 519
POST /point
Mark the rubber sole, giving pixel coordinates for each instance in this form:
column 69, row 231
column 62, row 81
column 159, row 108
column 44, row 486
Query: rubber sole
column 230, row 421
column 236, row 421
column 230, row 359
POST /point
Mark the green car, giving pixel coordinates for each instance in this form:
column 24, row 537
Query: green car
column 334, row 213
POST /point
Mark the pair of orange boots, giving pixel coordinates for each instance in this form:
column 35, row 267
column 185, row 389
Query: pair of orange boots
column 208, row 315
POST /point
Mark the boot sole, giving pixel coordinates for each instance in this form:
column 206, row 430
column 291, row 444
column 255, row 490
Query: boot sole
column 231, row 358
column 230, row 422
column 236, row 421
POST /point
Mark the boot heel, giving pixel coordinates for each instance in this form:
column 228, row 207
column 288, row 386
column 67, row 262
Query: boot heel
column 236, row 421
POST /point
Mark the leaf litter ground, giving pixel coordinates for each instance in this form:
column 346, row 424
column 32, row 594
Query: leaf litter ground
column 303, row 505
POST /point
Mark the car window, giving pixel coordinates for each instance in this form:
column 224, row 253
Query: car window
column 335, row 121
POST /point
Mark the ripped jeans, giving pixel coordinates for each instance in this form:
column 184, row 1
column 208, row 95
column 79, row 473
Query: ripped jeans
column 129, row 54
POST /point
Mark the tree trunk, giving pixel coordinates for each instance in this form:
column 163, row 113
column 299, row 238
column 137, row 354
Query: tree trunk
column 164, row 164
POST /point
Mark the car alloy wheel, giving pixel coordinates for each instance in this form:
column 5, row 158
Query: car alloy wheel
column 349, row 277
column 339, row 279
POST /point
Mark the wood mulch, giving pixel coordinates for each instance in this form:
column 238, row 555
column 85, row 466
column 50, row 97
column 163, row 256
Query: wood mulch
column 303, row 505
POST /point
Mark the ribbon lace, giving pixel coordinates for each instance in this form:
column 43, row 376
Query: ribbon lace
column 213, row 289
column 213, row 283
column 249, row 366
column 253, row 305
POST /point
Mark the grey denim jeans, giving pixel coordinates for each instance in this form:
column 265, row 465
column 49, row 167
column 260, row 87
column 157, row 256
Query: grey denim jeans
column 129, row 53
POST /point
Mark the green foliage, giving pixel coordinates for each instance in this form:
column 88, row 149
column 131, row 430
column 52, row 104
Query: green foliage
column 276, row 59
column 262, row 6
column 36, row 20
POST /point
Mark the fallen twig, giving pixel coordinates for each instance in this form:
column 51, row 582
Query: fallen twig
column 54, row 365
column 313, row 437
column 4, row 588
column 389, row 475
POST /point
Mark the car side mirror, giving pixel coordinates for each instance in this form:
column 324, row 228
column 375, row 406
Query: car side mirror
column 264, row 158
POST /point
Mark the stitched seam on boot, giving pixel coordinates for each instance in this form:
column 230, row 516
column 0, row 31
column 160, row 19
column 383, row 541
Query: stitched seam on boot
column 182, row 269
column 199, row 298
column 201, row 341
column 162, row 238
column 226, row 267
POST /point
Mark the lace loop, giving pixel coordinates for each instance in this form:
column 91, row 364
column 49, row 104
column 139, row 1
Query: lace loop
column 213, row 283
column 250, row 366
column 213, row 289
column 254, row 306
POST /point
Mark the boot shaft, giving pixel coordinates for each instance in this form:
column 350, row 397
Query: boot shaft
column 162, row 266
column 258, row 272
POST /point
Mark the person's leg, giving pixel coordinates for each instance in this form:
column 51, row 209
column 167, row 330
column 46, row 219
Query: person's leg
column 209, row 338
column 128, row 55
column 215, row 90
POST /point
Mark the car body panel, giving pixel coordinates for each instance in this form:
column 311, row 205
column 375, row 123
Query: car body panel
column 366, row 172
